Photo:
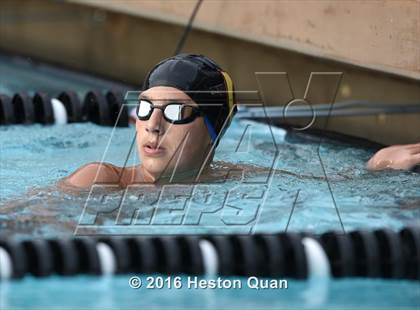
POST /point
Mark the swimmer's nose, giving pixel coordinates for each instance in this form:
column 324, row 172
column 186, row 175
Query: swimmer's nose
column 154, row 124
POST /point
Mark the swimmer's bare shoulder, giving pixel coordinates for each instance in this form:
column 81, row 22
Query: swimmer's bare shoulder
column 90, row 174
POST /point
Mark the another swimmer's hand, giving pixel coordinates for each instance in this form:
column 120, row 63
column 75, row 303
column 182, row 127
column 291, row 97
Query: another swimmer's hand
column 403, row 157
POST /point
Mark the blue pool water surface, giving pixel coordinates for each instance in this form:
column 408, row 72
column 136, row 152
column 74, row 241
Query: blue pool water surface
column 317, row 185
column 304, row 191
column 114, row 293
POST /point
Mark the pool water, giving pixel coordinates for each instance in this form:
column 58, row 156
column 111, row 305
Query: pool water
column 114, row 293
column 289, row 186
column 303, row 193
column 25, row 74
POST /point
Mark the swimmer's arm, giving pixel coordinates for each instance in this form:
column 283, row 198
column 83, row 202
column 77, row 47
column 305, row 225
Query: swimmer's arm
column 88, row 175
column 402, row 157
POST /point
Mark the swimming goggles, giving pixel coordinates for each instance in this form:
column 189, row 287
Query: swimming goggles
column 173, row 112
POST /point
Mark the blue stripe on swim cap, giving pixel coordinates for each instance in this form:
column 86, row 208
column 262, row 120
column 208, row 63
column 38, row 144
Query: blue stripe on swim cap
column 212, row 132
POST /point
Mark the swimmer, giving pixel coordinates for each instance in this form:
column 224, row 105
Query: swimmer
column 185, row 106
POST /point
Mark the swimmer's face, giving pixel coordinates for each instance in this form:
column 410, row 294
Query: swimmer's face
column 162, row 146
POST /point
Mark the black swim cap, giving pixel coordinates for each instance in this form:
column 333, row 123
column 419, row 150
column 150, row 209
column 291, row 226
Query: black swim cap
column 204, row 81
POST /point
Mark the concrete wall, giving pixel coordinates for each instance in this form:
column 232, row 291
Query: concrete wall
column 125, row 47
column 383, row 34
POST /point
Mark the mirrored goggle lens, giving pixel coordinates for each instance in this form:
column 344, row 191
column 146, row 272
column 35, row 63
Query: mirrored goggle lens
column 173, row 111
column 178, row 112
column 144, row 109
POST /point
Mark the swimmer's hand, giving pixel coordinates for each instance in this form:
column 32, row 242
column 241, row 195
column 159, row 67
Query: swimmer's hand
column 399, row 157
